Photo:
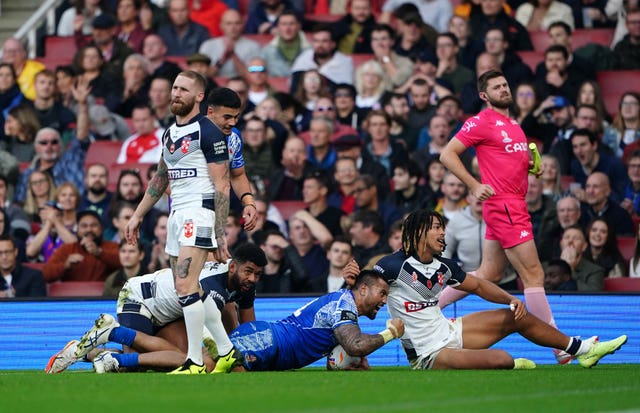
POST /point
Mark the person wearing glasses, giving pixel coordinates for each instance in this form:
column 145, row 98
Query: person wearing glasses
column 258, row 79
column 62, row 165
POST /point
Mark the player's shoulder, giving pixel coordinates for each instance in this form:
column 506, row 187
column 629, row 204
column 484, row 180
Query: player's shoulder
column 390, row 263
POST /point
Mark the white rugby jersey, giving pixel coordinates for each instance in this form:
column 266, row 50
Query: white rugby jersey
column 187, row 151
column 414, row 288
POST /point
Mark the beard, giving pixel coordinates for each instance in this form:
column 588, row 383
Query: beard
column 181, row 108
column 97, row 190
column 501, row 103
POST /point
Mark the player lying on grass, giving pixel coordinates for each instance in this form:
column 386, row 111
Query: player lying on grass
column 149, row 304
column 307, row 335
column 417, row 274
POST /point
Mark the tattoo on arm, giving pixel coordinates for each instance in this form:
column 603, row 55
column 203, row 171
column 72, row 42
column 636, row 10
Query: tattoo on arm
column 355, row 342
column 160, row 181
column 222, row 202
column 181, row 269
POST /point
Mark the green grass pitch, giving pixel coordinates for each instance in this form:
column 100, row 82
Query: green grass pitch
column 549, row 388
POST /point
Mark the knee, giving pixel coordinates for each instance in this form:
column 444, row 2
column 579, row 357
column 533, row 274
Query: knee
column 503, row 360
column 493, row 277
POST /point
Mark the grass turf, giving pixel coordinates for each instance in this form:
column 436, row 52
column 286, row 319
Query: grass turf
column 549, row 388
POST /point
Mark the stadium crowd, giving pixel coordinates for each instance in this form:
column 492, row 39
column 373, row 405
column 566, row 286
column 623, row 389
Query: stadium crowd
column 346, row 106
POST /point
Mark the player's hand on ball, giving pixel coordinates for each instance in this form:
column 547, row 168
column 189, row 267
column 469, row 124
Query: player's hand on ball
column 396, row 326
column 519, row 308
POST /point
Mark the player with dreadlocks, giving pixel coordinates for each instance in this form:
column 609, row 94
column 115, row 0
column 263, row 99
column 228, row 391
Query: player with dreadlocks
column 417, row 274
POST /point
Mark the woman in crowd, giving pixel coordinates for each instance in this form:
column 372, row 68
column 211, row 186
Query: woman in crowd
column 625, row 128
column 79, row 16
column 539, row 14
column 41, row 190
column 370, row 84
column 311, row 87
column 59, row 224
column 603, row 249
column 590, row 93
column 634, row 267
column 20, row 127
column 10, row 94
column 129, row 28
column 551, row 177
column 104, row 86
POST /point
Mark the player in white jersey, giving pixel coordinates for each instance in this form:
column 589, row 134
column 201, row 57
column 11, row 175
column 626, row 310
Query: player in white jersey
column 417, row 275
column 195, row 163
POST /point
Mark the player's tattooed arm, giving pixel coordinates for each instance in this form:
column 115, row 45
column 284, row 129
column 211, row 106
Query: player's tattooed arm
column 355, row 342
column 221, row 179
column 160, row 181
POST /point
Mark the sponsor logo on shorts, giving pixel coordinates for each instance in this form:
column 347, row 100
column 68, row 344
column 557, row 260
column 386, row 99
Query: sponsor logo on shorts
column 182, row 173
column 188, row 229
column 412, row 307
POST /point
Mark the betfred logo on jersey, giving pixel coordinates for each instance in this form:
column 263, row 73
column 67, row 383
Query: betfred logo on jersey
column 188, row 229
column 182, row 173
column 412, row 307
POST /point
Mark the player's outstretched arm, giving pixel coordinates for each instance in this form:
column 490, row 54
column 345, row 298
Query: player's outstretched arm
column 357, row 343
column 491, row 292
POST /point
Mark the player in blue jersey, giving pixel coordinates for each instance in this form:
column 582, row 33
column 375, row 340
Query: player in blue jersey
column 417, row 275
column 223, row 109
column 195, row 164
column 148, row 305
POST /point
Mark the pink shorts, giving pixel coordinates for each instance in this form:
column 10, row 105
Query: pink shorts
column 508, row 221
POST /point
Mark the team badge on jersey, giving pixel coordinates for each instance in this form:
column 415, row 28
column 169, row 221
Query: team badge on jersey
column 505, row 137
column 188, row 229
column 186, row 141
column 172, row 148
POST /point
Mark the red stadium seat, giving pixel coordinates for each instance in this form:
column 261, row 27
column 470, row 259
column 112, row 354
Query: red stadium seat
column 622, row 284
column 583, row 37
column 611, row 101
column 627, row 246
column 359, row 59
column 60, row 46
column 105, row 152
column 51, row 62
column 75, row 289
column 540, row 40
column 35, row 265
column 179, row 60
column 566, row 181
column 618, row 81
column 280, row 83
column 531, row 59
column 288, row 208
column 261, row 39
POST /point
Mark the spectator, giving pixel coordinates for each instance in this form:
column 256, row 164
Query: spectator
column 434, row 176
column 136, row 84
column 131, row 257
column 353, row 30
column 603, row 249
column 10, row 94
column 350, row 146
column 155, row 51
column 201, row 63
column 286, row 183
column 323, row 56
column 145, row 145
column 312, row 86
column 634, row 271
column 470, row 100
column 129, row 28
column 18, row 280
column 623, row 134
column 448, row 67
column 325, row 108
column 434, row 13
column 409, row 195
column 590, row 94
column 625, row 54
column 345, row 175
column 16, row 221
column 159, row 258
column 631, row 201
column 160, row 99
column 209, row 13
column 230, row 52
column 50, row 111
column 105, row 86
column 411, row 41
column 557, row 276
column 122, row 213
column 491, row 14
column 401, row 132
column 464, row 235
column 257, row 153
column 315, row 192
column 542, row 210
column 588, row 276
column 284, row 272
column 309, row 237
column 556, row 78
column 105, row 125
column 78, row 17
column 380, row 147
column 598, row 203
column 433, row 139
column 560, row 34
column 319, row 151
column 550, row 177
column 233, row 231
column 258, row 80
column 344, row 101
column 263, row 19
column 367, row 236
column 88, row 259
column 568, row 214
column 339, row 253
column 496, row 43
column 20, row 127
column 539, row 14
column 371, row 84
column 103, row 36
column 453, row 200
column 396, row 69
column 59, row 224
column 420, row 107
column 14, row 53
column 41, row 190
column 286, row 45
column 96, row 197
column 66, row 76
column 367, row 198
column 181, row 35
column 469, row 47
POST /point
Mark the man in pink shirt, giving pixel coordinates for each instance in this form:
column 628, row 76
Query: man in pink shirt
column 503, row 158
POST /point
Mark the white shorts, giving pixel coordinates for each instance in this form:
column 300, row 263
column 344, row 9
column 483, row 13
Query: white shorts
column 192, row 227
column 425, row 361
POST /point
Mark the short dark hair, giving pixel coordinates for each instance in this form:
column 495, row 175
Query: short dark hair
column 585, row 132
column 408, row 165
column 224, row 97
column 558, row 262
column 451, row 36
column 382, row 27
column 367, row 277
column 343, row 239
column 346, row 86
column 249, row 252
column 138, row 245
column 486, row 77
column 371, row 219
column 567, row 29
column 7, row 237
column 321, row 178
column 556, row 48
column 324, row 27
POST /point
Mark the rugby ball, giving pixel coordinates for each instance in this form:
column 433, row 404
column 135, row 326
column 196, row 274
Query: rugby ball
column 338, row 359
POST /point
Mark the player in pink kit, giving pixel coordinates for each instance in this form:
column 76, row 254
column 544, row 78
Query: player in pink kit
column 503, row 158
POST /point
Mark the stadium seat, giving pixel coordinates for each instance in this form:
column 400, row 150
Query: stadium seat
column 116, row 168
column 627, row 247
column 531, row 59
column 60, row 47
column 583, row 37
column 566, row 181
column 618, row 81
column 179, row 60
column 75, row 289
column 611, row 101
column 105, row 152
column 35, row 265
column 359, row 59
column 261, row 39
column 280, row 83
column 322, row 18
column 540, row 40
column 622, row 284
column 51, row 62
column 288, row 208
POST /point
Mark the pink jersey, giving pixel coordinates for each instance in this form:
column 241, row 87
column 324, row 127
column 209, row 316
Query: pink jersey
column 502, row 151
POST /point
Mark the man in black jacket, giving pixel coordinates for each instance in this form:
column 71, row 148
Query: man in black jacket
column 16, row 280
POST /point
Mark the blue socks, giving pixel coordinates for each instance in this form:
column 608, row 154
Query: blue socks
column 126, row 359
column 122, row 335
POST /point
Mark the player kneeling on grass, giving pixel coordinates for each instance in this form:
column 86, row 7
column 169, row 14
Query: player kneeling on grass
column 417, row 275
